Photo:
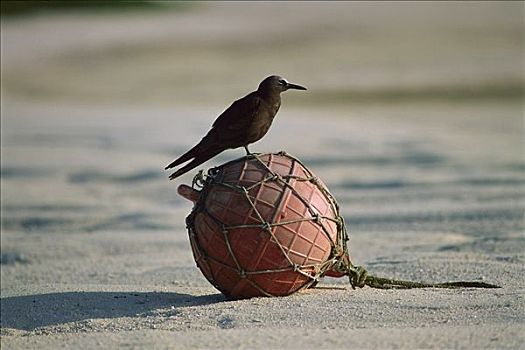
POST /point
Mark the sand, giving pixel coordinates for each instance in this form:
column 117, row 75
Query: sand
column 94, row 252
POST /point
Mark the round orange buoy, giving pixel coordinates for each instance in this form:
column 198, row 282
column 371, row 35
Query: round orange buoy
column 264, row 225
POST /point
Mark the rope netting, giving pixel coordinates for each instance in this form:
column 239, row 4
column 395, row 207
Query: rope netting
column 311, row 264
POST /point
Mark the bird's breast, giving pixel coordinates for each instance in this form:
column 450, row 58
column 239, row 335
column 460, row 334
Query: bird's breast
column 262, row 120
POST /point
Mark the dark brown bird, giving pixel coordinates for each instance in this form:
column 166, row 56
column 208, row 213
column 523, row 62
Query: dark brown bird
column 246, row 121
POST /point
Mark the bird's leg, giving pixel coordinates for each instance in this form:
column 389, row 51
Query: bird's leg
column 247, row 150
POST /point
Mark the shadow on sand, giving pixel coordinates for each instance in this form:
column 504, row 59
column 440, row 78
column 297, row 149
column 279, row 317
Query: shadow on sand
column 32, row 311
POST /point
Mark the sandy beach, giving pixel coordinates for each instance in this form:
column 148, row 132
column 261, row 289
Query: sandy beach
column 414, row 118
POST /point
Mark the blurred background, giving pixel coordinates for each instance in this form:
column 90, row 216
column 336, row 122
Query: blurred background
column 413, row 114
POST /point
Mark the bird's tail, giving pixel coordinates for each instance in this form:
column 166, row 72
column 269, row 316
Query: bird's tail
column 201, row 158
column 192, row 153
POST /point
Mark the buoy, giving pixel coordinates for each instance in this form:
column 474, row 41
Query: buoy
column 263, row 225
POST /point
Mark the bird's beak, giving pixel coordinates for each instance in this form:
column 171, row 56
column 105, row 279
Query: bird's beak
column 294, row 86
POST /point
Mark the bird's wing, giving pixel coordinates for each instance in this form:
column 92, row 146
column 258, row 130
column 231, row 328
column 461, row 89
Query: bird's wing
column 239, row 115
column 225, row 132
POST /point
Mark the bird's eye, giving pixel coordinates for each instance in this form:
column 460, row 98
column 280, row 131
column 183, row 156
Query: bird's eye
column 282, row 82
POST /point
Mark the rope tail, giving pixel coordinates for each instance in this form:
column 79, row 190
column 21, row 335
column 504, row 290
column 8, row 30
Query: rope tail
column 359, row 277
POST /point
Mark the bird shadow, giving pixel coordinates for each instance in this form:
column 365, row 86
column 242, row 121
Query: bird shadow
column 29, row 312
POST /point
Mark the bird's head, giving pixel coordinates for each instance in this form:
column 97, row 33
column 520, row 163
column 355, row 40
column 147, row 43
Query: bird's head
column 277, row 84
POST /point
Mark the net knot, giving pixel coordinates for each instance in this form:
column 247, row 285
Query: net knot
column 266, row 226
column 314, row 180
column 199, row 180
column 276, row 177
column 357, row 276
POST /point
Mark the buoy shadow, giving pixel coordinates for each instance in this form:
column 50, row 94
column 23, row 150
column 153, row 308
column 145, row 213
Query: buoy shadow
column 29, row 312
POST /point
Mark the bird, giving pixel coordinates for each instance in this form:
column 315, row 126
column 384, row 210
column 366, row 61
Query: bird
column 246, row 121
